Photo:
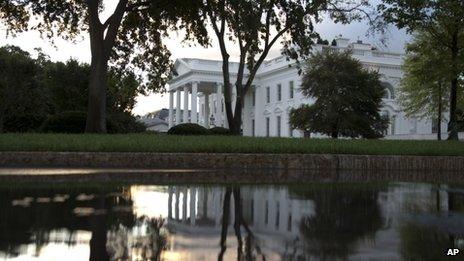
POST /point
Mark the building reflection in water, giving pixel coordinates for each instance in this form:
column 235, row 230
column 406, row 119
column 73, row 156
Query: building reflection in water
column 311, row 222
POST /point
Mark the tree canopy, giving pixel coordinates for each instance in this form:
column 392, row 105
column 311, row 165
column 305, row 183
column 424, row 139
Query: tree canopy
column 348, row 98
column 443, row 20
column 21, row 93
column 32, row 89
column 131, row 37
column 423, row 89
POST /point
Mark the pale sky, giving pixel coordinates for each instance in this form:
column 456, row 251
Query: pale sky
column 80, row 50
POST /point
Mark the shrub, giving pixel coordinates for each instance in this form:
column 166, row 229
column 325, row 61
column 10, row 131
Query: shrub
column 23, row 123
column 74, row 122
column 220, row 131
column 65, row 122
column 188, row 129
column 123, row 122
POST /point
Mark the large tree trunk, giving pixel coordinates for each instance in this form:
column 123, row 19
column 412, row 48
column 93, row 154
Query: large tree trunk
column 3, row 107
column 453, row 127
column 102, row 39
column 98, row 225
column 96, row 109
column 236, row 126
column 238, row 221
column 225, row 222
column 1, row 121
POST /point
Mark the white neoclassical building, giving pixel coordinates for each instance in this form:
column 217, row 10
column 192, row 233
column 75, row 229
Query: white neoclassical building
column 198, row 88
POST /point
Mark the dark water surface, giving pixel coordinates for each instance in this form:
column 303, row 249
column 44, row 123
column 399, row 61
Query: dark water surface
column 314, row 221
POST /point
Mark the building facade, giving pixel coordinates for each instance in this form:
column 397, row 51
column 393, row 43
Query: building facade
column 198, row 87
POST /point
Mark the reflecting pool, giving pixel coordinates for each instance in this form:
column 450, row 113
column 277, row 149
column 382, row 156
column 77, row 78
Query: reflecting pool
column 316, row 221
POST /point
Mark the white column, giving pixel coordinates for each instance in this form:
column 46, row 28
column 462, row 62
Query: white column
column 206, row 122
column 171, row 109
column 186, row 104
column 194, row 102
column 178, row 106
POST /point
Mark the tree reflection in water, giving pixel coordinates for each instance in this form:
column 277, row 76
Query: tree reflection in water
column 429, row 236
column 343, row 215
column 98, row 226
column 308, row 222
column 251, row 244
column 145, row 241
column 40, row 216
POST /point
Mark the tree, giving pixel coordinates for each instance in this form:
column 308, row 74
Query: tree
column 131, row 38
column 123, row 88
column 32, row 89
column 343, row 215
column 257, row 25
column 68, row 85
column 348, row 98
column 21, row 95
column 444, row 21
column 422, row 91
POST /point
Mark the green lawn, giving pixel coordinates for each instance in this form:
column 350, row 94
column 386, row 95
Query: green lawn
column 221, row 144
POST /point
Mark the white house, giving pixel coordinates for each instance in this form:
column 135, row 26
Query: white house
column 198, row 87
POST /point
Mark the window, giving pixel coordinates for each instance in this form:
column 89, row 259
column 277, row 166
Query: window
column 413, row 129
column 266, row 215
column 389, row 91
column 254, row 97
column 215, row 107
column 387, row 94
column 289, row 222
column 267, row 126
column 291, row 90
column 279, row 126
column 268, row 95
column 277, row 218
column 386, row 114
column 253, row 127
column 435, row 125
column 222, row 105
column 252, row 210
column 393, row 125
column 279, row 92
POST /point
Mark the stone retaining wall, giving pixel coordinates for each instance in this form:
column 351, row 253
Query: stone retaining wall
column 321, row 162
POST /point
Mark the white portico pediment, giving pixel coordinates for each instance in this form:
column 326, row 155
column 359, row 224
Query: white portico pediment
column 267, row 112
column 181, row 67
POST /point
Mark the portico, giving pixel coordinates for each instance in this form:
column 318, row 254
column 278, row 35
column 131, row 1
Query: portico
column 193, row 103
column 196, row 95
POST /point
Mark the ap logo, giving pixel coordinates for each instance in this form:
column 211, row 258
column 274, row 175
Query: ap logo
column 452, row 252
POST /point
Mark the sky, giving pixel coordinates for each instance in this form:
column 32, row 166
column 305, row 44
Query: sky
column 63, row 50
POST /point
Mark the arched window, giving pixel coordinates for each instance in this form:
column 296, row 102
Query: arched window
column 390, row 91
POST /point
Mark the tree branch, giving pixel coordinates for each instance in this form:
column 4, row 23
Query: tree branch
column 113, row 25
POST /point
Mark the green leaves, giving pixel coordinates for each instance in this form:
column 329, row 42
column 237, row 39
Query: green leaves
column 348, row 98
column 427, row 72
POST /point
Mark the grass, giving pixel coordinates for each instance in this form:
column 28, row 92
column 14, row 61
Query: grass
column 222, row 144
